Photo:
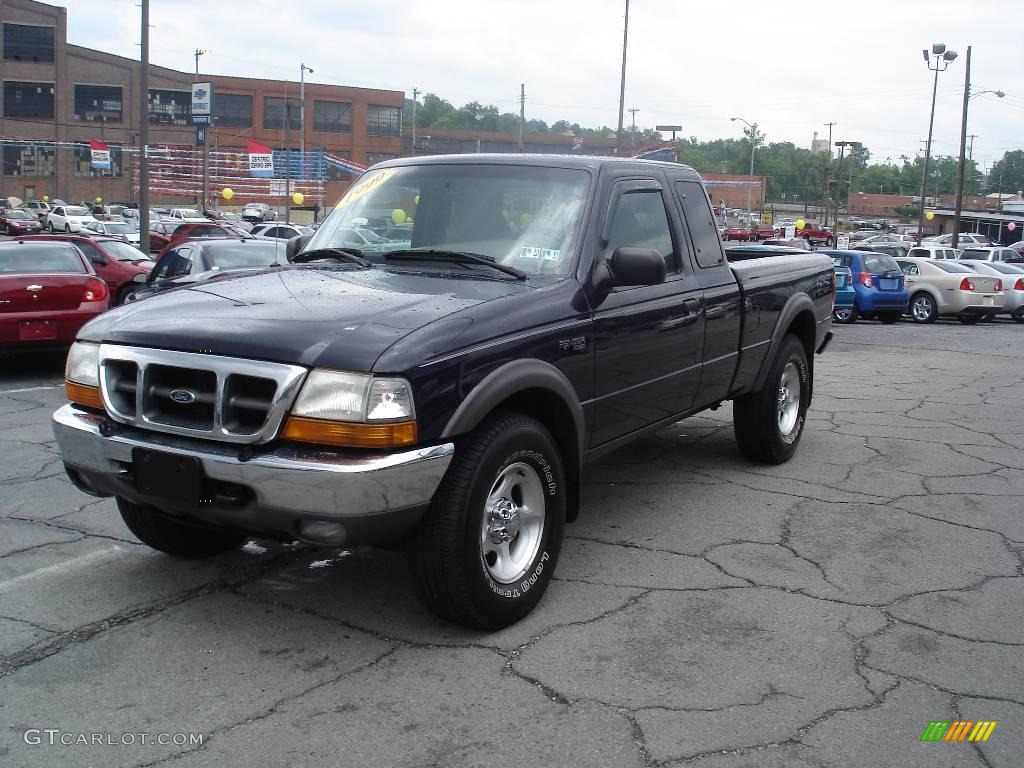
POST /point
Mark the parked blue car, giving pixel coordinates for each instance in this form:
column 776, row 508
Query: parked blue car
column 845, row 296
column 879, row 290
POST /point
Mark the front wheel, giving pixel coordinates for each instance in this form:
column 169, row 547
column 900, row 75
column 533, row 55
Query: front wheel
column 845, row 315
column 768, row 423
column 172, row 536
column 923, row 309
column 49, row 226
column 487, row 548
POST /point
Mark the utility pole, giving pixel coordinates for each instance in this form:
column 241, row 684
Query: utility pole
column 970, row 151
column 415, row 95
column 522, row 114
column 633, row 112
column 303, row 69
column 288, row 156
column 622, row 83
column 144, row 131
column 828, row 171
column 963, row 151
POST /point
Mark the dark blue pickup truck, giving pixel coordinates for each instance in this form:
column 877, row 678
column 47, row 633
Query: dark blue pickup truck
column 443, row 390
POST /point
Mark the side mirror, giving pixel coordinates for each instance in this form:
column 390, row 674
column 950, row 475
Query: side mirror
column 141, row 278
column 295, row 246
column 636, row 266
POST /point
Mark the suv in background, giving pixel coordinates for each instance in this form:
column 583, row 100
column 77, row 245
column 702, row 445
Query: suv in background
column 998, row 253
column 931, row 251
column 68, row 218
column 39, row 207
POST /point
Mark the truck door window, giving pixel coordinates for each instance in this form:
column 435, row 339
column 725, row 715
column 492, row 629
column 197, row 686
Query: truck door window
column 701, row 223
column 638, row 219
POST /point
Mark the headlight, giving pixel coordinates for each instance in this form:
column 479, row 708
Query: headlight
column 359, row 397
column 83, row 366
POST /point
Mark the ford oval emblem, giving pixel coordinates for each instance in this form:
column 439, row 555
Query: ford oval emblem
column 183, row 396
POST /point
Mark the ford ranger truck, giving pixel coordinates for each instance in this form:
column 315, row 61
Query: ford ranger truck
column 443, row 392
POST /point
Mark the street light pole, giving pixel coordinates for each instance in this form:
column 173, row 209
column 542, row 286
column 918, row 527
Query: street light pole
column 144, row 131
column 853, row 145
column 942, row 60
column 303, row 69
column 750, row 179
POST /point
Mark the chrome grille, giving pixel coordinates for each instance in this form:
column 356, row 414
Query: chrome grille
column 184, row 393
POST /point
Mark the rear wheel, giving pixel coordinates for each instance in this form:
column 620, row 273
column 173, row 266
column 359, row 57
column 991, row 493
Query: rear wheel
column 845, row 315
column 172, row 536
column 487, row 548
column 923, row 309
column 890, row 316
column 1018, row 317
column 768, row 423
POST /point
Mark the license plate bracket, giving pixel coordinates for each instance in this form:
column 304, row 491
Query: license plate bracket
column 37, row 330
column 169, row 476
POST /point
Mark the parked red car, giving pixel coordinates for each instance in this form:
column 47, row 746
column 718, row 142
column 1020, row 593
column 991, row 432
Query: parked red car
column 160, row 234
column 764, row 232
column 736, row 233
column 114, row 260
column 48, row 290
column 815, row 233
column 193, row 230
column 17, row 221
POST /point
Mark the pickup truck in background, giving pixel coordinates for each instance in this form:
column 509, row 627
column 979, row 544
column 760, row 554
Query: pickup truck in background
column 444, row 393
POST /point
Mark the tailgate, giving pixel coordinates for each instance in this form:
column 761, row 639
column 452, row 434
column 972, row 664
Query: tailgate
column 41, row 293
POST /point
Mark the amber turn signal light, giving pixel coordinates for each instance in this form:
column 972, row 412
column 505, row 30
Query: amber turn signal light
column 83, row 395
column 323, row 432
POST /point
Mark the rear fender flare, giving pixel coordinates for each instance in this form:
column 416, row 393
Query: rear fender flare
column 796, row 304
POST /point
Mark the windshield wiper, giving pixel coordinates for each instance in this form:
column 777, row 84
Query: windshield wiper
column 351, row 255
column 458, row 257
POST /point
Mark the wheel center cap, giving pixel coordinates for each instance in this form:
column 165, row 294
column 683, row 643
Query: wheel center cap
column 503, row 521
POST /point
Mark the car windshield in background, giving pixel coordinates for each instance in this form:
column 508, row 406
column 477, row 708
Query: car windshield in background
column 879, row 265
column 120, row 229
column 953, row 268
column 75, row 210
column 522, row 217
column 124, row 252
column 253, row 253
column 32, row 259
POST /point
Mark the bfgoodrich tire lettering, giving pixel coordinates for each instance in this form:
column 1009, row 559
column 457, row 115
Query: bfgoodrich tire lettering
column 768, row 424
column 488, row 504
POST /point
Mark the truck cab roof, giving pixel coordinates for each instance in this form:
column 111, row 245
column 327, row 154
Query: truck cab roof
column 582, row 162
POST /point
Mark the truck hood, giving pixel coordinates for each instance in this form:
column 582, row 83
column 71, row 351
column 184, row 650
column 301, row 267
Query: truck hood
column 331, row 317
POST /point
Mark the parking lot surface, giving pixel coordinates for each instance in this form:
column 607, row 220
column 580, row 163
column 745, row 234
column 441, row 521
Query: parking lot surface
column 705, row 611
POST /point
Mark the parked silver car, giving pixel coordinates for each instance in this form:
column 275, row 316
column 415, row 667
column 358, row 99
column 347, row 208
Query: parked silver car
column 1012, row 276
column 989, row 254
column 943, row 287
column 259, row 212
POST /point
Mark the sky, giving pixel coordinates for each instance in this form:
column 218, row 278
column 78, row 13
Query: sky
column 789, row 66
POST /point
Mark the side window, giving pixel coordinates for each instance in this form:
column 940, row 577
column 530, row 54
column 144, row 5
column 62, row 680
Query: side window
column 638, row 219
column 162, row 266
column 701, row 223
column 909, row 269
column 91, row 253
column 182, row 265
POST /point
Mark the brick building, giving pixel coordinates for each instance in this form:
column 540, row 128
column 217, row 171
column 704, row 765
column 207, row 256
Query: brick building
column 57, row 96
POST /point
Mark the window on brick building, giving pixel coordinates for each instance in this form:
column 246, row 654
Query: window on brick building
column 332, row 116
column 28, row 42
column 233, row 109
column 379, row 157
column 28, row 99
column 170, row 107
column 274, row 114
column 384, row 121
column 98, row 103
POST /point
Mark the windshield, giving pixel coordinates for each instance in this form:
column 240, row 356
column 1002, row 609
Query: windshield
column 40, row 259
column 74, row 210
column 523, row 217
column 120, row 229
column 124, row 252
column 252, row 253
column 19, row 215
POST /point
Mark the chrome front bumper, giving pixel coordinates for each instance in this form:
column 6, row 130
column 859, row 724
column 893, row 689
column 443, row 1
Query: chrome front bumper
column 372, row 495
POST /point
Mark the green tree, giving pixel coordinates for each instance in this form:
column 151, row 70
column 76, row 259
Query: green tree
column 1007, row 175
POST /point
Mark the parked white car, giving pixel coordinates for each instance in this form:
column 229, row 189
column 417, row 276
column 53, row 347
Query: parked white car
column 119, row 229
column 966, row 239
column 945, row 287
column 187, row 215
column 928, row 251
column 68, row 218
column 1012, row 276
column 259, row 212
column 280, row 231
column 989, row 254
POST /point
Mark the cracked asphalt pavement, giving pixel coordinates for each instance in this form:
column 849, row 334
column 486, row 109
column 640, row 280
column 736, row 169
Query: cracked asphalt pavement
column 705, row 611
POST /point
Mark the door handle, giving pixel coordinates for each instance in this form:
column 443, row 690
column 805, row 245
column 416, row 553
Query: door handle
column 691, row 316
column 693, row 306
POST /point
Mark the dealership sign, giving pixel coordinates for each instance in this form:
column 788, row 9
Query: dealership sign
column 202, row 102
column 261, row 160
column 100, row 155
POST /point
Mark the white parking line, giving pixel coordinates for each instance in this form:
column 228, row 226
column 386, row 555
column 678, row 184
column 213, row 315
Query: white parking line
column 29, row 389
column 68, row 565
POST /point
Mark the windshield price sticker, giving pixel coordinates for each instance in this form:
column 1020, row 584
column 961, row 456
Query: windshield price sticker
column 545, row 254
column 363, row 188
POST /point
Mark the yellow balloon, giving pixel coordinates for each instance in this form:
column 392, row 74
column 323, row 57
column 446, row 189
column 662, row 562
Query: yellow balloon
column 298, row 197
column 525, row 219
column 930, row 215
column 99, row 200
column 227, row 193
column 800, row 223
column 398, row 216
column 46, row 198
